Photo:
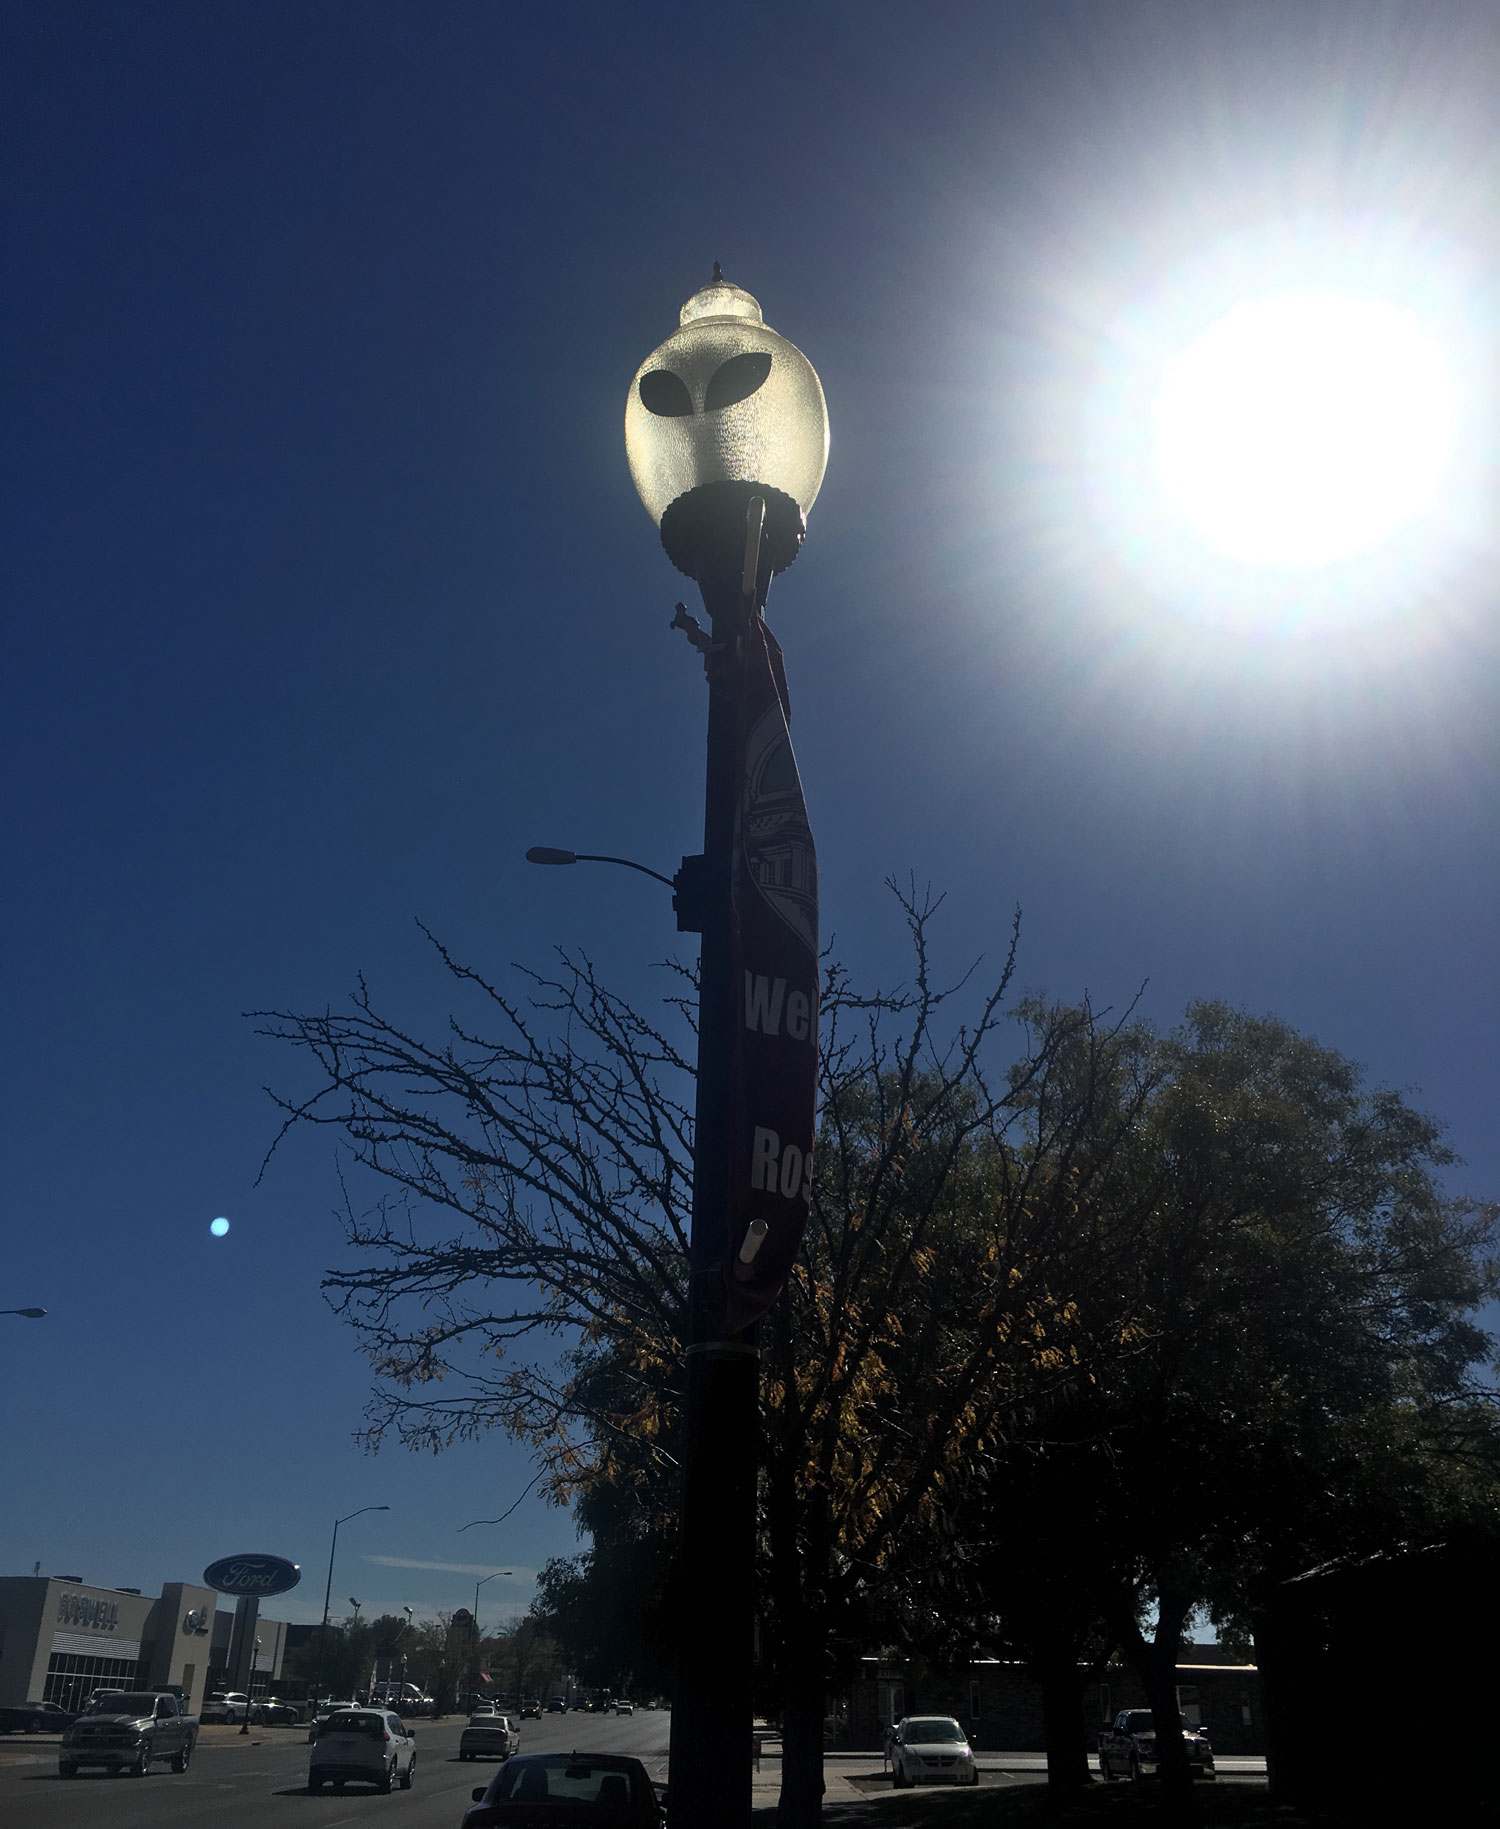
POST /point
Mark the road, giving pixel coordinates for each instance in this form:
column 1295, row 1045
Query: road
column 260, row 1782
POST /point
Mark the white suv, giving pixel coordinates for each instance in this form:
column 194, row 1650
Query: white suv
column 367, row 1743
column 931, row 1750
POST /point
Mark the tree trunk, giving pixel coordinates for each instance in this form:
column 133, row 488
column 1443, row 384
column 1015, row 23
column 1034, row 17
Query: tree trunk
column 1158, row 1674
column 804, row 1696
column 1062, row 1723
column 1155, row 1661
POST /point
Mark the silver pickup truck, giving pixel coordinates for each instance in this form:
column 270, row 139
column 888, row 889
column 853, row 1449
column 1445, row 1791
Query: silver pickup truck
column 1127, row 1748
column 127, row 1731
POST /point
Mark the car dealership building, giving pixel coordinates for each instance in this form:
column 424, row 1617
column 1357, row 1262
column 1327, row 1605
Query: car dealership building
column 61, row 1639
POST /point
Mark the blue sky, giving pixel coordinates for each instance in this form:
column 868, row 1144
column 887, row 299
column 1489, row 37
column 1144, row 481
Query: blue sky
column 329, row 594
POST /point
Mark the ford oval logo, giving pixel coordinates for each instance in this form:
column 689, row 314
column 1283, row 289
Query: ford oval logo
column 252, row 1575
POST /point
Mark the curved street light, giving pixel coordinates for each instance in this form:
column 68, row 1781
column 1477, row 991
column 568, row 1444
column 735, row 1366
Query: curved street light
column 474, row 1616
column 36, row 1314
column 328, row 1591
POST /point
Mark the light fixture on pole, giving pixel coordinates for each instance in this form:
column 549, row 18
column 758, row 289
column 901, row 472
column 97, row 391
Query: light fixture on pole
column 474, row 1617
column 726, row 434
column 37, row 1314
column 328, row 1591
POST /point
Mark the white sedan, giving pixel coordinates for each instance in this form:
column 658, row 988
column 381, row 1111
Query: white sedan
column 931, row 1750
column 489, row 1735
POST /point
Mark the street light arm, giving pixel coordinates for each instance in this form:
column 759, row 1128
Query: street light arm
column 548, row 854
column 36, row 1314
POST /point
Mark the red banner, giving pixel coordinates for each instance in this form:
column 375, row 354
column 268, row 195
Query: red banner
column 775, row 949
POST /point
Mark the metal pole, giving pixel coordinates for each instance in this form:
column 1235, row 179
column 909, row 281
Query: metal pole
column 712, row 1712
column 323, row 1629
column 328, row 1592
column 246, row 1614
column 494, row 1575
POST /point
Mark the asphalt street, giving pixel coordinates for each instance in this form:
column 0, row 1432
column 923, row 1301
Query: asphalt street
column 260, row 1781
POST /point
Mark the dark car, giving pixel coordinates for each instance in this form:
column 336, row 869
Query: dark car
column 556, row 1706
column 36, row 1718
column 320, row 1719
column 609, row 1790
column 531, row 1711
column 272, row 1711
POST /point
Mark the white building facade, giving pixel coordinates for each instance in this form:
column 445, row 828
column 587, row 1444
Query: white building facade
column 60, row 1640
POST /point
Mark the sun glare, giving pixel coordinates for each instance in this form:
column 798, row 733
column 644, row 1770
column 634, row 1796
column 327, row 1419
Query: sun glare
column 1302, row 430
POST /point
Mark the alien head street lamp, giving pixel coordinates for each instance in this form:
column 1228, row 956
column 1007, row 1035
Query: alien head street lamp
column 723, row 412
column 31, row 1314
column 726, row 433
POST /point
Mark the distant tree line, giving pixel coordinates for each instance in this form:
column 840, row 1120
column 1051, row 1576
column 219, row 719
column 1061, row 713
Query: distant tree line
column 1096, row 1329
column 440, row 1654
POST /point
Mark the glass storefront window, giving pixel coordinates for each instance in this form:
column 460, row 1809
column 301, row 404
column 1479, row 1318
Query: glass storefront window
column 71, row 1680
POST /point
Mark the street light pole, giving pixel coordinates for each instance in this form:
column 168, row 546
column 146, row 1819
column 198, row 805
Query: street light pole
column 726, row 432
column 474, row 1616
column 328, row 1592
column 250, row 1681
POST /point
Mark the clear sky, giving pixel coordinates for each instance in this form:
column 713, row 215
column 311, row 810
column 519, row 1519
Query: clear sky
column 327, row 593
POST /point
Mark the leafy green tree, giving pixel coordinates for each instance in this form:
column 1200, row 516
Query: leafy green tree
column 438, row 1652
column 607, row 1608
column 337, row 1663
column 525, row 1660
column 1277, row 1363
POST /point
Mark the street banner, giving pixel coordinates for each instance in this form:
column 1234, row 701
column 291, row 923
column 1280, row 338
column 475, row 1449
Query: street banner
column 774, row 923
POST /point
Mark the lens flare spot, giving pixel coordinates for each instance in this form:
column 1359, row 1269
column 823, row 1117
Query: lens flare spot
column 219, row 1227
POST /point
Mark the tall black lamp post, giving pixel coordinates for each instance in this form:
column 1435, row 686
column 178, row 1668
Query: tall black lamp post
column 333, row 1549
column 494, row 1575
column 726, row 432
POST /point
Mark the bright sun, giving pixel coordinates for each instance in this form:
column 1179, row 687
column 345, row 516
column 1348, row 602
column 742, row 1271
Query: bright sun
column 1301, row 430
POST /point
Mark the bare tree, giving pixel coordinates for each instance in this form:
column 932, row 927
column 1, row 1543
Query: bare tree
column 524, row 1266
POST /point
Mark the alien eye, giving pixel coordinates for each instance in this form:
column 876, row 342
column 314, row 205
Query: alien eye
column 736, row 379
column 666, row 394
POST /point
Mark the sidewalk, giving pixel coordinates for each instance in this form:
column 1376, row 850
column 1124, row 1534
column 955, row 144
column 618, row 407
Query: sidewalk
column 765, row 1785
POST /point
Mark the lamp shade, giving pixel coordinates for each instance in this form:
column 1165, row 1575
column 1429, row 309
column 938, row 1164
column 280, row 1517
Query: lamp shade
column 725, row 402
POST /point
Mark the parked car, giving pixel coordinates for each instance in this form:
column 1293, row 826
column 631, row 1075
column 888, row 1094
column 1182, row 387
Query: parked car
column 1127, row 1747
column 372, row 1744
column 36, row 1718
column 931, row 1750
column 128, row 1732
column 624, row 1706
column 531, row 1787
column 273, row 1712
column 407, row 1700
column 489, row 1736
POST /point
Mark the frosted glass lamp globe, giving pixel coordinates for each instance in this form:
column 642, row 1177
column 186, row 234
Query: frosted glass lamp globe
column 727, row 407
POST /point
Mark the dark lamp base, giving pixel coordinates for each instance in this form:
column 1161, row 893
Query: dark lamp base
column 703, row 531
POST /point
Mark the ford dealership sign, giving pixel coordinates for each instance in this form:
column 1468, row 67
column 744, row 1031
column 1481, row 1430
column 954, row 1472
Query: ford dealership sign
column 258, row 1575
